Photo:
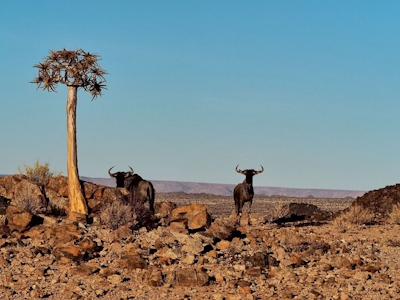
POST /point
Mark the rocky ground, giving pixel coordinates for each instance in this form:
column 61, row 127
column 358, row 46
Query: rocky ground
column 196, row 251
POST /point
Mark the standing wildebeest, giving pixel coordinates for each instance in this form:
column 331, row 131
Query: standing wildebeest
column 244, row 191
column 120, row 176
column 140, row 190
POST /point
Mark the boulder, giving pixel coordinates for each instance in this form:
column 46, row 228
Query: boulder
column 164, row 209
column 222, row 228
column 200, row 220
column 89, row 189
column 9, row 182
column 68, row 253
column 28, row 194
column 179, row 226
column 19, row 219
column 107, row 194
column 196, row 215
column 300, row 211
column 191, row 277
column 190, row 244
column 59, row 184
column 60, row 234
column 132, row 262
column 85, row 269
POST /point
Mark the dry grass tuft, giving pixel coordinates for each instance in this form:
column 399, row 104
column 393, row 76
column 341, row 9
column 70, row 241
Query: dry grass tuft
column 394, row 216
column 355, row 216
column 393, row 242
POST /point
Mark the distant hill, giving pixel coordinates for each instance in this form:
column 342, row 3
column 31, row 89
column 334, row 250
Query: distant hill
column 227, row 189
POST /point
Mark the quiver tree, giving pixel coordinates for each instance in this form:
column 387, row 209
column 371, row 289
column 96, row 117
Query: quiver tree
column 76, row 69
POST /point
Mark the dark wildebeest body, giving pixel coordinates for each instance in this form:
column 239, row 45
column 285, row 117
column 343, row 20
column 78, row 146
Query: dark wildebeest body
column 139, row 190
column 244, row 191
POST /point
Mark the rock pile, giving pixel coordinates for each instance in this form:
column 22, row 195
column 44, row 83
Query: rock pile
column 380, row 201
column 55, row 192
column 189, row 256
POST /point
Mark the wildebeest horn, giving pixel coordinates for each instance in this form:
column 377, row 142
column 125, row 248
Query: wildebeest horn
column 109, row 172
column 238, row 170
column 131, row 172
column 258, row 172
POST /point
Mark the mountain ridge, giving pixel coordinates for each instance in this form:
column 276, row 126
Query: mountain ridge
column 220, row 189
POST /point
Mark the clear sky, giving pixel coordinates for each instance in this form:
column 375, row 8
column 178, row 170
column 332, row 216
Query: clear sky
column 308, row 89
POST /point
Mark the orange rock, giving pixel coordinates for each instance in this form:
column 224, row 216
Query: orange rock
column 244, row 289
column 242, row 230
column 68, row 253
column 88, row 245
column 219, row 278
column 200, row 220
column 188, row 209
column 223, row 245
column 297, row 260
column 211, row 253
column 18, row 219
column 164, row 260
column 179, row 226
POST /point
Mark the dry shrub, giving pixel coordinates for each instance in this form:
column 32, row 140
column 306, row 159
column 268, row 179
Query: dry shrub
column 341, row 223
column 355, row 216
column 38, row 173
column 116, row 214
column 394, row 216
column 28, row 201
column 56, row 211
column 128, row 209
column 279, row 210
column 393, row 242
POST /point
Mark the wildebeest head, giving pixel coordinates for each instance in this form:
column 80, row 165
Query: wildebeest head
column 249, row 173
column 121, row 176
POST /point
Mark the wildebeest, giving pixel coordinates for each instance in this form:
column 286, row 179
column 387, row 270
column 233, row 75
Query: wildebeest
column 120, row 176
column 139, row 190
column 244, row 191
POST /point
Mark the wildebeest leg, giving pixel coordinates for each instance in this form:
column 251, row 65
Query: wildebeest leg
column 237, row 207
column 250, row 203
column 248, row 215
column 150, row 198
column 151, row 205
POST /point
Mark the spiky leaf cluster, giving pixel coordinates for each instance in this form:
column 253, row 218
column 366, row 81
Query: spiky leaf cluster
column 73, row 68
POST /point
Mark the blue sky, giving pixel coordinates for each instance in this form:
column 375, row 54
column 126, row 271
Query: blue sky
column 308, row 89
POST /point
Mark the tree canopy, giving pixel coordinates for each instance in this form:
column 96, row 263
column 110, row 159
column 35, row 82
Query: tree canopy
column 71, row 67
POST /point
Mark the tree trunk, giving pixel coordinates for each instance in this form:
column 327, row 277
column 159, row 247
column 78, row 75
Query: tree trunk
column 77, row 202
